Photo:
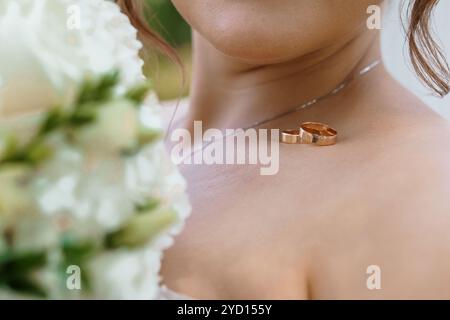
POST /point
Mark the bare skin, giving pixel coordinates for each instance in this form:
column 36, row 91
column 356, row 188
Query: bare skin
column 378, row 197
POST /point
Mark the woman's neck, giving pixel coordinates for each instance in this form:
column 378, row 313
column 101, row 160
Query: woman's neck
column 228, row 93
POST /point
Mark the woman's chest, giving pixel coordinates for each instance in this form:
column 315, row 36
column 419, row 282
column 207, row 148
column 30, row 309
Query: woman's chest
column 245, row 238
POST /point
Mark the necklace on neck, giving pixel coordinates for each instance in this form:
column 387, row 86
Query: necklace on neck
column 315, row 132
column 309, row 103
column 308, row 132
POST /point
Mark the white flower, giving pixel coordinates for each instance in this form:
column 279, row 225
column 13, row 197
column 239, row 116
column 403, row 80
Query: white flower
column 42, row 58
column 12, row 200
column 115, row 129
column 89, row 191
column 124, row 274
column 34, row 234
column 86, row 188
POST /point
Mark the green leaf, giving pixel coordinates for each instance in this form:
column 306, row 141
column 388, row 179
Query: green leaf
column 25, row 286
column 38, row 153
column 11, row 147
column 83, row 116
column 98, row 90
column 138, row 93
column 142, row 228
column 76, row 252
column 20, row 263
column 149, row 205
column 17, row 270
column 53, row 120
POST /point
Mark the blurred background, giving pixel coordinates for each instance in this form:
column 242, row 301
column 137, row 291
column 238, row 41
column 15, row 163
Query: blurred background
column 169, row 24
column 166, row 20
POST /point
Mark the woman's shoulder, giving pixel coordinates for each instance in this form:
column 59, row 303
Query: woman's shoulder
column 395, row 221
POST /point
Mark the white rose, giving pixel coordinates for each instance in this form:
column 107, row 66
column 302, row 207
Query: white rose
column 42, row 58
column 115, row 129
column 126, row 274
column 42, row 61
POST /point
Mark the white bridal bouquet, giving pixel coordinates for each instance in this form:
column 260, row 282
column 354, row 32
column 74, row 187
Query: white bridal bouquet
column 89, row 199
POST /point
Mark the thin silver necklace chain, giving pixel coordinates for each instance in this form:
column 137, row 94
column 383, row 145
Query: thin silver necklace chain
column 335, row 91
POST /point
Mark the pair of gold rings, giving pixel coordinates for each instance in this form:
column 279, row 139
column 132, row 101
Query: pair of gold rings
column 315, row 133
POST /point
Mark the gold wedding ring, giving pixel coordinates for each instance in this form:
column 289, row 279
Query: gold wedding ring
column 290, row 136
column 315, row 133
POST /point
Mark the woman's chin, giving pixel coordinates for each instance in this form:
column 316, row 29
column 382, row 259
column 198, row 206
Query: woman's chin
column 242, row 46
